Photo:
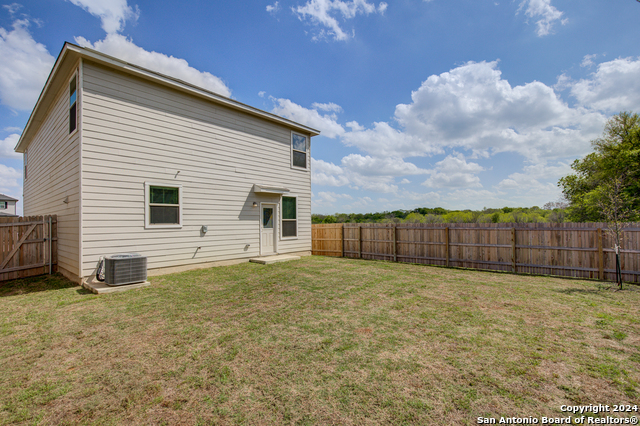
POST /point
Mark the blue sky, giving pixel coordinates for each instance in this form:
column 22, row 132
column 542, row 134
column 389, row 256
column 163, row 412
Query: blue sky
column 465, row 104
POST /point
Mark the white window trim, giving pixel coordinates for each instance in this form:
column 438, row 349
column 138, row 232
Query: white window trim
column 282, row 238
column 147, row 207
column 75, row 75
column 4, row 205
column 307, row 144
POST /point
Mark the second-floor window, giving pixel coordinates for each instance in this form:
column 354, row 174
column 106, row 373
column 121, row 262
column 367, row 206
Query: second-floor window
column 299, row 151
column 73, row 114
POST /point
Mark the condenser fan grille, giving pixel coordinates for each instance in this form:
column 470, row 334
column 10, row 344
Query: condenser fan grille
column 125, row 268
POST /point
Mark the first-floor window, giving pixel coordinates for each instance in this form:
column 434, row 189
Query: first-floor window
column 289, row 217
column 164, row 205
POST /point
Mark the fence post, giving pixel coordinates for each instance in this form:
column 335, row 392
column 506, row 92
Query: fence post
column 395, row 242
column 446, row 245
column 513, row 250
column 600, row 255
column 359, row 241
column 342, row 237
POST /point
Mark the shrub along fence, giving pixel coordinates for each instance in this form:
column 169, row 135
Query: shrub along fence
column 28, row 246
column 581, row 250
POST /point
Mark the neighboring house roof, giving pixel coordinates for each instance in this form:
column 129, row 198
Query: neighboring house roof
column 71, row 53
column 8, row 215
column 7, row 198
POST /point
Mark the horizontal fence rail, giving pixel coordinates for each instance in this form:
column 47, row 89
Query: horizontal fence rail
column 580, row 250
column 28, row 246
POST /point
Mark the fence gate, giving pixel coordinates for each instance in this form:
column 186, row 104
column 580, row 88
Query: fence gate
column 28, row 246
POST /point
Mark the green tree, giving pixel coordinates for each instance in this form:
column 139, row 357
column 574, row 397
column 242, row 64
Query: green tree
column 616, row 156
column 329, row 219
column 414, row 217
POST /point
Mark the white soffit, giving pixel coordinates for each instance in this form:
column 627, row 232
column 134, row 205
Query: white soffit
column 268, row 189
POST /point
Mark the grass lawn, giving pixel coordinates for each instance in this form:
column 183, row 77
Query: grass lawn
column 316, row 341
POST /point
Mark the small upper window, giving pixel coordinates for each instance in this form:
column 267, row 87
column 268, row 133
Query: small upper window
column 73, row 116
column 299, row 150
column 24, row 160
column 3, row 205
column 164, row 206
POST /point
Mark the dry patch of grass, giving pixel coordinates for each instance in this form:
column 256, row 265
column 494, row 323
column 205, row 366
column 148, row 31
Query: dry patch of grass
column 316, row 341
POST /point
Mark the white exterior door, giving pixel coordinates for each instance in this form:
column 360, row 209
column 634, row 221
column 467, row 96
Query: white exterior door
column 268, row 229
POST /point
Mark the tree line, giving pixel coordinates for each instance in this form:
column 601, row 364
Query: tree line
column 551, row 212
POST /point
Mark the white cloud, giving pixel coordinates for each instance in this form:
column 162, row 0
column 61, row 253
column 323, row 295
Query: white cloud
column 123, row 48
column 12, row 129
column 9, row 177
column 381, row 184
column 564, row 82
column 536, row 180
column 112, row 13
column 376, row 166
column 405, row 181
column 384, row 140
column 357, row 172
column 322, row 13
column 273, row 8
column 354, row 126
column 476, row 198
column 327, row 124
column 323, row 173
column 24, row 67
column 328, row 198
column 262, row 93
column 327, row 107
column 12, row 8
column 474, row 108
column 362, row 203
column 587, row 61
column 420, row 198
column 454, row 172
column 614, row 87
column 548, row 15
column 7, row 145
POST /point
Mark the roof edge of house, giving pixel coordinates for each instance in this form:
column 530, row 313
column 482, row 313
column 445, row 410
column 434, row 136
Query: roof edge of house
column 5, row 197
column 75, row 53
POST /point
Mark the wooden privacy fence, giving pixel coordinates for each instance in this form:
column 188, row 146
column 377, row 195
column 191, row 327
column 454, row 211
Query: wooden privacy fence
column 581, row 250
column 28, row 246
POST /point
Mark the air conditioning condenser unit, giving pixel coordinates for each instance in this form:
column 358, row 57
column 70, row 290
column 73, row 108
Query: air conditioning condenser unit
column 125, row 268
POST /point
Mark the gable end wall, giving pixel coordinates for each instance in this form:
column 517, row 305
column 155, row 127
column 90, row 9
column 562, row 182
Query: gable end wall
column 53, row 174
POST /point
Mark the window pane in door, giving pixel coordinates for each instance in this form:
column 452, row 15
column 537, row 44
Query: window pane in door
column 267, row 218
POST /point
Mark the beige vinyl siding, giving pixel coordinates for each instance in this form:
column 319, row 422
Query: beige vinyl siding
column 53, row 174
column 135, row 131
